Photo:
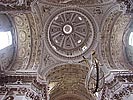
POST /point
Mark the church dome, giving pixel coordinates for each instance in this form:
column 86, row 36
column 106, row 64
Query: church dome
column 70, row 33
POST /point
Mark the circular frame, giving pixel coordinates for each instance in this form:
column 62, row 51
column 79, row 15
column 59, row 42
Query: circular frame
column 87, row 45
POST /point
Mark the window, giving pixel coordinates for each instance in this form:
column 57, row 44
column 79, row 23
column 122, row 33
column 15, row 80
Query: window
column 5, row 39
column 131, row 39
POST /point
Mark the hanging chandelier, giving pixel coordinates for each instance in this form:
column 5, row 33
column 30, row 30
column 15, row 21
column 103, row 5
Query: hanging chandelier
column 94, row 81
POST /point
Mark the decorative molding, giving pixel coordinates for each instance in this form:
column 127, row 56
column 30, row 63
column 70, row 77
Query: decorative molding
column 24, row 85
column 79, row 2
column 126, row 5
column 15, row 5
column 68, row 79
column 120, row 86
column 40, row 88
column 112, row 37
column 24, row 43
column 105, row 37
column 72, row 52
column 116, row 44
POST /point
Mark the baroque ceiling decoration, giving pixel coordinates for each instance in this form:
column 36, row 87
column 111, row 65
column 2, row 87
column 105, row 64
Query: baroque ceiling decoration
column 53, row 39
column 70, row 33
column 118, row 87
column 27, row 56
column 24, row 41
column 128, row 5
column 22, row 84
column 105, row 37
column 58, row 42
column 15, row 5
column 112, row 46
column 67, row 79
column 79, row 2
column 116, row 37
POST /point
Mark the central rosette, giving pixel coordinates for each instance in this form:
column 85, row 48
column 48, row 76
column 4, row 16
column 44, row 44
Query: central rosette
column 67, row 29
column 70, row 33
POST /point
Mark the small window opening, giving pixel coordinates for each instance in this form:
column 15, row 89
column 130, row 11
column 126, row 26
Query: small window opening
column 131, row 39
column 5, row 39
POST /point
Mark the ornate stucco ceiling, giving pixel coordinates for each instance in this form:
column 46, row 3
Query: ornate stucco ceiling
column 54, row 37
column 79, row 2
column 70, row 33
column 25, row 44
column 68, row 80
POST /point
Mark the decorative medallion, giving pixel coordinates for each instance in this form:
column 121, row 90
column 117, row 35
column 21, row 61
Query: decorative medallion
column 22, row 35
column 22, row 52
column 69, row 33
column 19, row 20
